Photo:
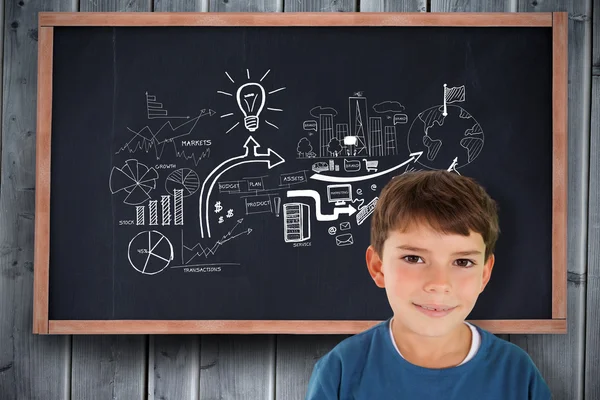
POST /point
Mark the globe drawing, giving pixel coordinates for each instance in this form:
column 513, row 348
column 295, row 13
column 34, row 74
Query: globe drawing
column 447, row 142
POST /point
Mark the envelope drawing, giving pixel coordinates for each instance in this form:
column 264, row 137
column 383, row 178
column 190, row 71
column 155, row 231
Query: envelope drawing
column 344, row 226
column 344, row 240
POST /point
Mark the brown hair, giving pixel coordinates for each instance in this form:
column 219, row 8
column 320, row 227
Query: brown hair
column 448, row 202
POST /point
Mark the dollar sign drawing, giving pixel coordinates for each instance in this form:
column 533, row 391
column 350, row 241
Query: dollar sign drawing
column 230, row 213
column 218, row 207
column 221, row 220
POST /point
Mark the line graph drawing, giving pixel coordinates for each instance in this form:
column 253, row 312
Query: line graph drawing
column 145, row 139
column 155, row 109
column 150, row 252
column 251, row 98
column 188, row 254
column 134, row 178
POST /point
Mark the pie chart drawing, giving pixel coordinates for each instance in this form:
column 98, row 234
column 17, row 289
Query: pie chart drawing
column 183, row 178
column 135, row 179
column 150, row 252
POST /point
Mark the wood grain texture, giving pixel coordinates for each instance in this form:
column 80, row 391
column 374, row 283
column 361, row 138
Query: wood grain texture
column 296, row 358
column 559, row 164
column 295, row 19
column 245, row 5
column 320, row 5
column 109, row 367
column 41, row 260
column 393, row 6
column 32, row 366
column 174, row 367
column 180, row 5
column 560, row 358
column 471, row 6
column 237, row 368
column 223, row 327
column 592, row 335
column 114, row 5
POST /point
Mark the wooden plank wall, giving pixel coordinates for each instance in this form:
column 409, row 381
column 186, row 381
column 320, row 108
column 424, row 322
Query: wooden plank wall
column 262, row 367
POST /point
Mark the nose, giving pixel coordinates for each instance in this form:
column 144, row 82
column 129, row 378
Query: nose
column 438, row 279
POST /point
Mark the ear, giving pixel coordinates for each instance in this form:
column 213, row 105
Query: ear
column 487, row 271
column 374, row 265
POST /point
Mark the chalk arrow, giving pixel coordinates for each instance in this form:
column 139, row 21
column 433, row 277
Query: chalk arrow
column 317, row 197
column 344, row 179
column 251, row 155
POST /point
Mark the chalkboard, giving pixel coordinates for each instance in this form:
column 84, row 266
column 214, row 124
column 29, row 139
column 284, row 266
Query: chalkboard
column 228, row 173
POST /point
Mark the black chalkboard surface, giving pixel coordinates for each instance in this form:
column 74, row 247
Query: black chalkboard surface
column 229, row 172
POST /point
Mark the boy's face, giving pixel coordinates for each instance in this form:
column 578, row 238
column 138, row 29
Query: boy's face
column 425, row 268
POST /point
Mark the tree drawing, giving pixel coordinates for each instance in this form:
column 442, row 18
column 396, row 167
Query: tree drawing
column 334, row 147
column 304, row 147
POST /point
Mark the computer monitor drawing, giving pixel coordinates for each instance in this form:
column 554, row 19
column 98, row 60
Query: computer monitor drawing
column 339, row 194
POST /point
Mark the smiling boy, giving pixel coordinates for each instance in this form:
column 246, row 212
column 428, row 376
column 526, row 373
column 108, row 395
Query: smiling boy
column 433, row 235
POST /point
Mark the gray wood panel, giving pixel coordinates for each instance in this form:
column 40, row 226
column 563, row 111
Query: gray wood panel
column 472, row 6
column 109, row 367
column 114, row 366
column 180, row 5
column 296, row 358
column 174, row 367
column 560, row 358
column 245, row 5
column 237, row 367
column 31, row 366
column 592, row 342
column 319, row 5
column 393, row 5
column 115, row 5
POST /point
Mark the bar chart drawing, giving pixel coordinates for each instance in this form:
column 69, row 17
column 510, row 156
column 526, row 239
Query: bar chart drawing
column 152, row 207
column 178, row 204
column 166, row 215
column 165, row 202
column 140, row 213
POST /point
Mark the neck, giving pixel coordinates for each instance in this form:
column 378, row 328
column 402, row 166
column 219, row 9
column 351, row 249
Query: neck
column 433, row 352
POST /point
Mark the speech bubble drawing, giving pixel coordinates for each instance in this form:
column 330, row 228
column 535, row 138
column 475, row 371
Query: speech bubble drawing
column 400, row 119
column 310, row 125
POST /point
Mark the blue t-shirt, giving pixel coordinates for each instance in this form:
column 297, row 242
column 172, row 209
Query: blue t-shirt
column 368, row 366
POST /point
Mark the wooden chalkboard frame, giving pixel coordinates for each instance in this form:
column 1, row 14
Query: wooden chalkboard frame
column 47, row 21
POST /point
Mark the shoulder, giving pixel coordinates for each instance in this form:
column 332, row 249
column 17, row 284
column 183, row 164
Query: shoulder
column 500, row 350
column 515, row 366
column 356, row 347
column 344, row 362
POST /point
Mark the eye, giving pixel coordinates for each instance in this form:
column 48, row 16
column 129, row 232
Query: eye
column 412, row 259
column 465, row 263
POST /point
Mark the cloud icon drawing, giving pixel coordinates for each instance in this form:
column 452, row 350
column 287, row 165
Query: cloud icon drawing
column 318, row 110
column 388, row 107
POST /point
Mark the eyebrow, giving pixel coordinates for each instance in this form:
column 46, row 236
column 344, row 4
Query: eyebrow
column 458, row 253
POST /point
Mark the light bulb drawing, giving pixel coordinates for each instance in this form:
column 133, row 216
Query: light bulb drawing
column 251, row 100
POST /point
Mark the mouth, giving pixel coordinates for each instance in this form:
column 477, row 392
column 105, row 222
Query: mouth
column 435, row 310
